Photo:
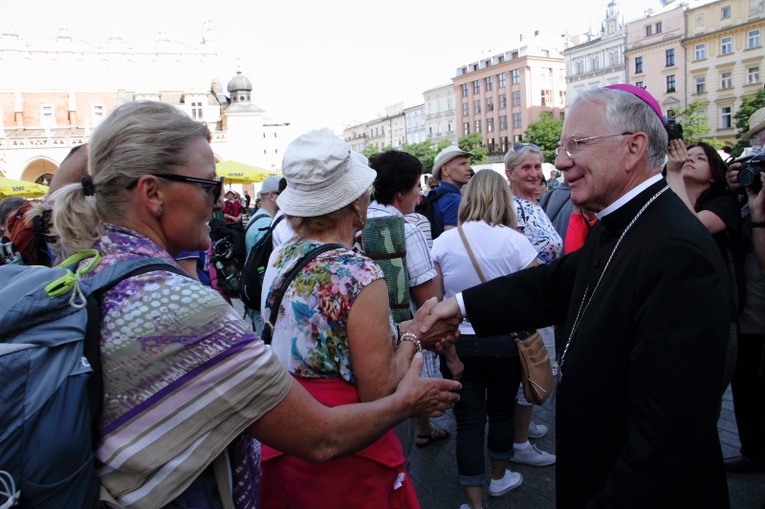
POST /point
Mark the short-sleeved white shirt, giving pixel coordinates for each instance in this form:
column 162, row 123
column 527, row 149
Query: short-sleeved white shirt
column 499, row 250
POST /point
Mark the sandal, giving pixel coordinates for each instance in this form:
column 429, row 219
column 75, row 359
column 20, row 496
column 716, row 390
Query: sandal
column 434, row 436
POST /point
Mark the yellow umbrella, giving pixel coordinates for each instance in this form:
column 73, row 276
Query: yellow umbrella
column 10, row 187
column 240, row 173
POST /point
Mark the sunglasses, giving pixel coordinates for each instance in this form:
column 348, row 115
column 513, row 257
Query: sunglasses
column 521, row 146
column 214, row 187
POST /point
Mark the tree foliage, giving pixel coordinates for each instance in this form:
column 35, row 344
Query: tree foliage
column 693, row 122
column 474, row 143
column 545, row 133
column 749, row 104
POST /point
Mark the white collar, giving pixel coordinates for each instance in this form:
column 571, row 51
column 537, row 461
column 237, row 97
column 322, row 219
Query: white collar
column 629, row 195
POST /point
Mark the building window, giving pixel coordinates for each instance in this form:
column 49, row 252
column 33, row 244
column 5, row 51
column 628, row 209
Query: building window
column 752, row 75
column 449, row 126
column 649, row 30
column 546, row 97
column 465, row 109
column 726, row 117
column 700, row 51
column 502, row 122
column 466, row 128
column 516, row 76
column 725, row 80
column 489, row 104
column 503, row 144
column 753, row 39
column 671, row 83
column 670, row 57
column 516, row 98
column 639, row 84
column 595, row 63
column 490, row 125
column 517, row 121
column 725, row 12
column 490, row 145
column 489, row 84
column 502, row 101
column 502, row 80
column 464, row 90
column 701, row 85
column 638, row 65
column 726, row 45
column 476, row 87
column 658, row 27
column 47, row 118
column 478, row 126
column 196, row 110
column 477, row 106
column 98, row 114
column 578, row 67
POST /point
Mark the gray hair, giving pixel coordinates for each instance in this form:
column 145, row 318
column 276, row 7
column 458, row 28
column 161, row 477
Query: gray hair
column 513, row 158
column 625, row 112
column 137, row 138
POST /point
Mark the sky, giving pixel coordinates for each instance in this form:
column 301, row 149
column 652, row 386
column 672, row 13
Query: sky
column 322, row 63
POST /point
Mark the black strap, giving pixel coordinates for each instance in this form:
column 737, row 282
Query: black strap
column 269, row 326
column 254, row 219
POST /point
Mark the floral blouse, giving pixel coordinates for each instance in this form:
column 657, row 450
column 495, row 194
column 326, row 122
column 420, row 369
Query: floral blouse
column 537, row 227
column 310, row 337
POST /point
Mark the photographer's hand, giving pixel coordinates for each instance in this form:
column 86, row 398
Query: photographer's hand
column 757, row 212
column 676, row 156
column 731, row 177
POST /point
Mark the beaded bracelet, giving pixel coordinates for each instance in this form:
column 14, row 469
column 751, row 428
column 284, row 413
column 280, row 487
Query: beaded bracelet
column 411, row 337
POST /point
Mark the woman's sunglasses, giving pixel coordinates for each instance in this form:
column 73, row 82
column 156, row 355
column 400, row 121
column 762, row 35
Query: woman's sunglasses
column 215, row 187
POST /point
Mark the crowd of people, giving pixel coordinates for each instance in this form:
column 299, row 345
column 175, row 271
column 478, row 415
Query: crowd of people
column 642, row 270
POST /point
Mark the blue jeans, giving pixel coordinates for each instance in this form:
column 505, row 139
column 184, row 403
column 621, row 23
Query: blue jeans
column 489, row 385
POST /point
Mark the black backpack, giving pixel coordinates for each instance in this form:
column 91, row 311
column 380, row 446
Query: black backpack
column 229, row 252
column 427, row 207
column 255, row 267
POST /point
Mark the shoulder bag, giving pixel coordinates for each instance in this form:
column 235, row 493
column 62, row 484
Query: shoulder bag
column 535, row 361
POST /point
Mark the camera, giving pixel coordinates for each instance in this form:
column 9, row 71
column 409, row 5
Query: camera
column 674, row 128
column 749, row 173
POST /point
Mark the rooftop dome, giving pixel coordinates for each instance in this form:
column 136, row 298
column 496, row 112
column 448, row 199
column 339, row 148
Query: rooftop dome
column 239, row 83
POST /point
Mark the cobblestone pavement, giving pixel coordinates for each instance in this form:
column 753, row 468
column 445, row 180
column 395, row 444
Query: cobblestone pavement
column 434, row 469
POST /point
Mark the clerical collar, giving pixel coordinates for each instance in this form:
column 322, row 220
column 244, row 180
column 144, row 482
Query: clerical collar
column 632, row 193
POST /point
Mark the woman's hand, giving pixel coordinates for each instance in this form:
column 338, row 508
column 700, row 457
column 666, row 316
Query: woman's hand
column 677, row 155
column 443, row 332
column 426, row 397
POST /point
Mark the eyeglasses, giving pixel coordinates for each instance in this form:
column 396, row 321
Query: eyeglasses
column 521, row 146
column 214, row 187
column 572, row 144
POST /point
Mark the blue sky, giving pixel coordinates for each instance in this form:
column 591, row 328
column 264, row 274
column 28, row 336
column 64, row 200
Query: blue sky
column 355, row 57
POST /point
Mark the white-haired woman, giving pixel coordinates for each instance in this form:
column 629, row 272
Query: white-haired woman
column 185, row 381
column 523, row 167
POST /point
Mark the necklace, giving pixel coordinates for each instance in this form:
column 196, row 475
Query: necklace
column 584, row 305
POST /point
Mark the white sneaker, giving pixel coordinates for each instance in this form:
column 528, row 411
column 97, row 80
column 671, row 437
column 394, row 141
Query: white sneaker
column 509, row 482
column 537, row 430
column 532, row 455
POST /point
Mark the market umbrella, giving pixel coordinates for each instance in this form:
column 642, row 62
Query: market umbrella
column 22, row 188
column 240, row 173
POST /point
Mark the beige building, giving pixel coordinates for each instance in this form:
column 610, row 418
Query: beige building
column 499, row 96
column 724, row 57
column 440, row 114
column 53, row 93
column 655, row 57
column 596, row 61
column 414, row 122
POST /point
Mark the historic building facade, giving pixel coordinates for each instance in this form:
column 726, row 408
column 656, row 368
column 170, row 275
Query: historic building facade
column 54, row 93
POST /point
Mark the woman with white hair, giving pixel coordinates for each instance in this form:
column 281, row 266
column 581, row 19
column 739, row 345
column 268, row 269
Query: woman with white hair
column 523, row 167
column 187, row 386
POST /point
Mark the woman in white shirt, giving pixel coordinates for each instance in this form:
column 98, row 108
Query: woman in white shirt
column 492, row 367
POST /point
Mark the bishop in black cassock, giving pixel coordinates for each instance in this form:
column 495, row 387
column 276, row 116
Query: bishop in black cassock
column 648, row 321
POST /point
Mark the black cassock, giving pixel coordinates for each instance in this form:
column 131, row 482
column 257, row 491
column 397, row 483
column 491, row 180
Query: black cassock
column 638, row 402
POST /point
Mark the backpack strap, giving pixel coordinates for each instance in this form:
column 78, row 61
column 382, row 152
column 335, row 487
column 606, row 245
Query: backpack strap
column 269, row 325
column 254, row 219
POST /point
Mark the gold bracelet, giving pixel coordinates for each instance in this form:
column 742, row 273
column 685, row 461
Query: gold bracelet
column 409, row 336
